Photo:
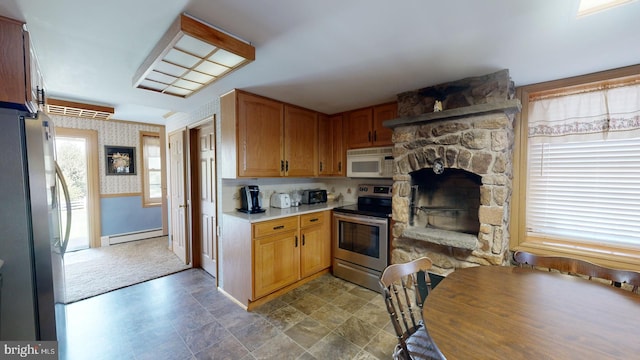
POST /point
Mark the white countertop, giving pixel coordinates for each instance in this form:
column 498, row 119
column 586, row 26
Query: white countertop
column 275, row 213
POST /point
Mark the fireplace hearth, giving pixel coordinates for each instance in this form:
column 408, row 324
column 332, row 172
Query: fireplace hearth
column 453, row 174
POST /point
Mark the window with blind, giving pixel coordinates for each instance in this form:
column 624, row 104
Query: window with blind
column 577, row 168
column 152, row 170
column 585, row 191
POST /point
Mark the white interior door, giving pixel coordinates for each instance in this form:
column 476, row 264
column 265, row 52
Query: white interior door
column 179, row 238
column 207, row 185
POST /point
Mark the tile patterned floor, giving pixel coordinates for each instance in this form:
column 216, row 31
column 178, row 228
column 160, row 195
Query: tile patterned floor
column 183, row 316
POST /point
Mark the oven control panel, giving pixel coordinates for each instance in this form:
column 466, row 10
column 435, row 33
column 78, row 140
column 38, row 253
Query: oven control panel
column 375, row 190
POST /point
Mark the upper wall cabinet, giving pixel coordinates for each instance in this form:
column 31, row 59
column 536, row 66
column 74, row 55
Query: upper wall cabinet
column 363, row 127
column 331, row 151
column 300, row 142
column 262, row 137
column 19, row 72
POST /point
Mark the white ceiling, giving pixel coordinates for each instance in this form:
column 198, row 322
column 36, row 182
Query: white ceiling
column 330, row 55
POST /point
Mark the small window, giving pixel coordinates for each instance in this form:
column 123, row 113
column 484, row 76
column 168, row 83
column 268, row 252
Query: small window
column 152, row 169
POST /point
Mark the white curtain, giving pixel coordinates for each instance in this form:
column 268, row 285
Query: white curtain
column 595, row 115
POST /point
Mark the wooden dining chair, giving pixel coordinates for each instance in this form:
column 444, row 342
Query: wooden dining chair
column 404, row 287
column 579, row 267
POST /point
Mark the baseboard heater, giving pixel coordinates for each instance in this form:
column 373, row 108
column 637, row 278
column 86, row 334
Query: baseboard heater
column 131, row 236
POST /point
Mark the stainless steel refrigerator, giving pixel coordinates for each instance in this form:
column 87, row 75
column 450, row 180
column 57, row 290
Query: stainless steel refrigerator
column 32, row 238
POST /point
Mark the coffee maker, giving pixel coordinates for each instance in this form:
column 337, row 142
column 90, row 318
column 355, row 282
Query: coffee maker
column 250, row 199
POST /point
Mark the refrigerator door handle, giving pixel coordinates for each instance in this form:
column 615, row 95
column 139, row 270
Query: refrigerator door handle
column 65, row 190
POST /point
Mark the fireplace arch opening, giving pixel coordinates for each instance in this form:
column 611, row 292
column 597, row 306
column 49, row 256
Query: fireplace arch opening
column 448, row 201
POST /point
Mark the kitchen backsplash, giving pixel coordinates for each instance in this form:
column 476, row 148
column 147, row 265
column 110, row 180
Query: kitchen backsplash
column 344, row 187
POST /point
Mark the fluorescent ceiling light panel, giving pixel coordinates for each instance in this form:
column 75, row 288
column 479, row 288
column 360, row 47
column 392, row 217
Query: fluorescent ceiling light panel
column 198, row 77
column 588, row 7
column 190, row 56
column 207, row 67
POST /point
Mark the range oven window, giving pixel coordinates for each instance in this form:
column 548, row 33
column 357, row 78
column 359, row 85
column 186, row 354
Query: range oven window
column 359, row 238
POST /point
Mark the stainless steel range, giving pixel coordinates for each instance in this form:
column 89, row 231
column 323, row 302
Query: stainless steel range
column 361, row 245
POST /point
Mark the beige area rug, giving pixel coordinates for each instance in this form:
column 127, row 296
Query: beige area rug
column 99, row 270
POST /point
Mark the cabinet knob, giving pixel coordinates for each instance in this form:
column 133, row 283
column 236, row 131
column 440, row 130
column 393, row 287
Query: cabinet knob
column 302, row 240
column 369, row 136
column 375, row 135
column 278, row 227
column 296, row 240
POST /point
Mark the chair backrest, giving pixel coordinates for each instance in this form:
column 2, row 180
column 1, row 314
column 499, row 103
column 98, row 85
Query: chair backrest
column 579, row 267
column 405, row 287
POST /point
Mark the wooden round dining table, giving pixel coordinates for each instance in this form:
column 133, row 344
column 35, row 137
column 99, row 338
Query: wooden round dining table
column 500, row 312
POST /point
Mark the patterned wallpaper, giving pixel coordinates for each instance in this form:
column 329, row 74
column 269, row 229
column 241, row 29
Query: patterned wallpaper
column 112, row 132
column 182, row 120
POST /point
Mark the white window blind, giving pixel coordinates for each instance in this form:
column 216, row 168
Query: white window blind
column 588, row 191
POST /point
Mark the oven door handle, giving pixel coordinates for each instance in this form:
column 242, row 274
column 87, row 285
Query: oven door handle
column 361, row 219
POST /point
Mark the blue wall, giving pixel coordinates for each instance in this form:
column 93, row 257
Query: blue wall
column 119, row 215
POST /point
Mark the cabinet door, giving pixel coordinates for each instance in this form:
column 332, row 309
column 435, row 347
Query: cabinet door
column 331, row 146
column 276, row 262
column 382, row 135
column 358, row 128
column 325, row 146
column 260, row 136
column 301, row 141
column 13, row 87
column 35, row 99
column 315, row 250
column 338, row 150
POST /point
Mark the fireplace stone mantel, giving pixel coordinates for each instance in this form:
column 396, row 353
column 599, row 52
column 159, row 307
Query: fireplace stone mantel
column 512, row 106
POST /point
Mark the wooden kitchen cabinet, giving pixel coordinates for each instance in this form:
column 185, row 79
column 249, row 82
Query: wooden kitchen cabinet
column 289, row 249
column 331, row 152
column 276, row 255
column 382, row 135
column 315, row 234
column 300, row 142
column 358, row 128
column 363, row 127
column 261, row 137
column 265, row 257
column 19, row 71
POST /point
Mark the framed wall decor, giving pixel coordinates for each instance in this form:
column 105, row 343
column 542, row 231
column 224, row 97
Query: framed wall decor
column 120, row 160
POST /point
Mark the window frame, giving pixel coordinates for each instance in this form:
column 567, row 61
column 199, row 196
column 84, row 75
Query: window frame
column 617, row 256
column 144, row 179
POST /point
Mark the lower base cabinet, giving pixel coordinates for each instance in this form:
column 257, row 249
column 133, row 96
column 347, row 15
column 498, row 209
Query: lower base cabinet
column 315, row 252
column 276, row 260
column 280, row 253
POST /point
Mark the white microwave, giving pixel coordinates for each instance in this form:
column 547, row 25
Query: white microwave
column 370, row 162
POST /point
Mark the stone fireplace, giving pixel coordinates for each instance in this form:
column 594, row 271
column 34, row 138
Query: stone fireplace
column 453, row 173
